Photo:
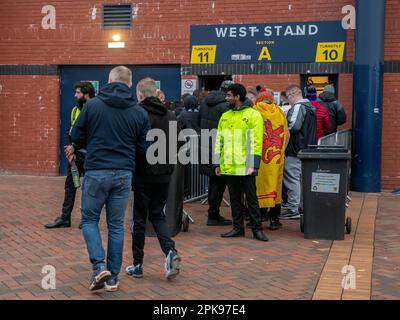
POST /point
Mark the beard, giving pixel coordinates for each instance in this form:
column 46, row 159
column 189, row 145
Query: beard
column 81, row 102
column 231, row 105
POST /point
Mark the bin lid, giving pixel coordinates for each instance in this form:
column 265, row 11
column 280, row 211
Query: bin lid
column 324, row 152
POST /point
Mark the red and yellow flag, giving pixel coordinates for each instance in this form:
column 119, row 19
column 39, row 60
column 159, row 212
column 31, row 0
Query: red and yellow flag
column 270, row 173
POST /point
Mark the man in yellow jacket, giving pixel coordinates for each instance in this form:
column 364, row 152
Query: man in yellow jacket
column 238, row 149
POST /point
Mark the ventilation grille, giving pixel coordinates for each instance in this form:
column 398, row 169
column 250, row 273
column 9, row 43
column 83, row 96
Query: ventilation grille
column 117, row 16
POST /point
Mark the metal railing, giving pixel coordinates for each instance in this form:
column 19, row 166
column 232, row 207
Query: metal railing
column 340, row 138
column 196, row 185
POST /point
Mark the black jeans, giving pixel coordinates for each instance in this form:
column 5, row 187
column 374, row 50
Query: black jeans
column 70, row 192
column 216, row 189
column 246, row 184
column 274, row 213
column 149, row 200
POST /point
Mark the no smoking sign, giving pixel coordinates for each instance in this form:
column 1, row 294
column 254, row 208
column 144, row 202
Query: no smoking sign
column 188, row 86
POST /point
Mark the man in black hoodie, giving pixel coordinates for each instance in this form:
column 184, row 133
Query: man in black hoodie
column 113, row 130
column 150, row 185
column 336, row 111
column 211, row 110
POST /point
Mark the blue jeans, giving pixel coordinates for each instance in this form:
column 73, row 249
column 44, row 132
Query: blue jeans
column 109, row 187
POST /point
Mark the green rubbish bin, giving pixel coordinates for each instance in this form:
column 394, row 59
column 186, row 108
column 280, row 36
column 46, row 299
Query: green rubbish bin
column 325, row 173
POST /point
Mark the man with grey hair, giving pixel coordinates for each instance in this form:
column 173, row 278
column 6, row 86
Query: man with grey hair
column 302, row 124
column 113, row 129
column 121, row 74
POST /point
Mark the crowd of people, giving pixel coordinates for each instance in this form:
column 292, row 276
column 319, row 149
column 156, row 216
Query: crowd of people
column 253, row 153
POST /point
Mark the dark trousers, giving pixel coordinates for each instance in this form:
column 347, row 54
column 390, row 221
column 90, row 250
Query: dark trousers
column 246, row 184
column 216, row 189
column 70, row 192
column 274, row 213
column 149, row 200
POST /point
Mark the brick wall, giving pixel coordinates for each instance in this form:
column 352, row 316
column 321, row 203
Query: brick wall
column 29, row 124
column 392, row 30
column 346, row 98
column 160, row 31
column 390, row 132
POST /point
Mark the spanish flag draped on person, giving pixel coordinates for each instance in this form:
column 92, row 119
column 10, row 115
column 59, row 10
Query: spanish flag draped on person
column 270, row 173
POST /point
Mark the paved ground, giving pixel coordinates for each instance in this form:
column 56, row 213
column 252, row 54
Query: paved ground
column 386, row 271
column 286, row 267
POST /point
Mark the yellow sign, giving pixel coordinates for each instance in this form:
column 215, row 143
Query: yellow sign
column 330, row 52
column 264, row 54
column 203, row 54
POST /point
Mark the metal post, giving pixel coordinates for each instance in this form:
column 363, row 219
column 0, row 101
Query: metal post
column 367, row 96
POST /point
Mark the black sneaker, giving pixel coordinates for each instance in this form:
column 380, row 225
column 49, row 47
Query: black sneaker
column 275, row 225
column 135, row 270
column 219, row 221
column 290, row 215
column 112, row 284
column 99, row 277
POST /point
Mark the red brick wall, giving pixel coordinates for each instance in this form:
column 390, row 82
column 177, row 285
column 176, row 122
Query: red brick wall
column 160, row 31
column 29, row 124
column 29, row 127
column 392, row 30
column 390, row 132
column 346, row 97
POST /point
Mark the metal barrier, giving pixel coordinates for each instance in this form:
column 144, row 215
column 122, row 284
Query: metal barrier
column 196, row 185
column 340, row 138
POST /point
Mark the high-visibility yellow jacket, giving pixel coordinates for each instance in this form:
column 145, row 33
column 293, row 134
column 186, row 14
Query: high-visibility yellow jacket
column 238, row 145
column 74, row 114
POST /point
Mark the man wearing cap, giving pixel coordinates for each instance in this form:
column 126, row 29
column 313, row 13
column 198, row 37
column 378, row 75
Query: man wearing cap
column 336, row 111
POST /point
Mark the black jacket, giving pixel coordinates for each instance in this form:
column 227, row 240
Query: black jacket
column 190, row 119
column 211, row 110
column 160, row 118
column 303, row 132
column 112, row 128
column 335, row 109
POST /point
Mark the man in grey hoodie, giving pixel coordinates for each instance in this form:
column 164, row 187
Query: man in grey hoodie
column 336, row 111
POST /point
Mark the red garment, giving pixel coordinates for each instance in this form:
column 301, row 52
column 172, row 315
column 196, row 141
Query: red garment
column 324, row 124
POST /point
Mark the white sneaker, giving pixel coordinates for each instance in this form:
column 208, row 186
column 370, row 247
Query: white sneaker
column 172, row 264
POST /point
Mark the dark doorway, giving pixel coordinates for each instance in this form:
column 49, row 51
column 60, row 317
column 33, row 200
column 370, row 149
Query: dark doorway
column 209, row 83
column 319, row 81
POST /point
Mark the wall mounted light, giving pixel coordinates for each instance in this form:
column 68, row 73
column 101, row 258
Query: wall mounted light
column 116, row 43
column 116, row 37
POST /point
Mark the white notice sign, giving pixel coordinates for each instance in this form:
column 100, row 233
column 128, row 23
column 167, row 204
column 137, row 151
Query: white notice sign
column 188, row 86
column 325, row 182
